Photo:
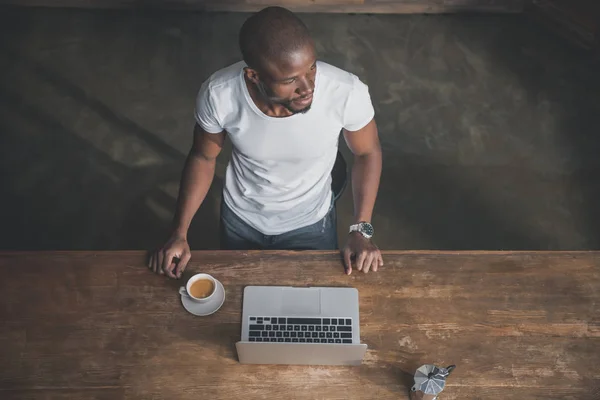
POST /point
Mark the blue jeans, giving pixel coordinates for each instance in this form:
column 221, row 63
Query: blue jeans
column 238, row 235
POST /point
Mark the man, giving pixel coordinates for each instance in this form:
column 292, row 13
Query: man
column 283, row 112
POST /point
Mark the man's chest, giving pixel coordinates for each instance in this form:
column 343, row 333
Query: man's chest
column 273, row 140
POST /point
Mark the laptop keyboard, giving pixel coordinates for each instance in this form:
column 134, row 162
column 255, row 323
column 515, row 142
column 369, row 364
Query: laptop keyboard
column 300, row 330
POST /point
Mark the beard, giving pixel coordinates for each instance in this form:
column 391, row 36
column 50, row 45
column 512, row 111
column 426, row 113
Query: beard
column 270, row 96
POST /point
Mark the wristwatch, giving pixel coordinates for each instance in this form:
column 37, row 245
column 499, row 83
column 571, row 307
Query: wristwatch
column 364, row 228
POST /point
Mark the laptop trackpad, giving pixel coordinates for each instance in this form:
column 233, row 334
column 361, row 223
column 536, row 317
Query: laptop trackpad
column 301, row 301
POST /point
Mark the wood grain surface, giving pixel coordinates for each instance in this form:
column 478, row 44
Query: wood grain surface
column 333, row 6
column 99, row 325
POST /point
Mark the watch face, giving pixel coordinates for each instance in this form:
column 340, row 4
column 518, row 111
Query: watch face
column 366, row 228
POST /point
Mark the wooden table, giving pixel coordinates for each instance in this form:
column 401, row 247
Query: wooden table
column 85, row 325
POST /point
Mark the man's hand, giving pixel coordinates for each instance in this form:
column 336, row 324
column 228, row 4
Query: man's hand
column 196, row 178
column 364, row 252
column 163, row 260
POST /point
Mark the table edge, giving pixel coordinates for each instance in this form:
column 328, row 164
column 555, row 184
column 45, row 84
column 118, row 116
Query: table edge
column 308, row 252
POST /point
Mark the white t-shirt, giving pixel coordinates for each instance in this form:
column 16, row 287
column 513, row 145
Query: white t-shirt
column 279, row 175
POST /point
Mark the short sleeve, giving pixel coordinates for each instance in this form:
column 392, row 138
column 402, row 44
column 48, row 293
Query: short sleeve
column 359, row 108
column 206, row 114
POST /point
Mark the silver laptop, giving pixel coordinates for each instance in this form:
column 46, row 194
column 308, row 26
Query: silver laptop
column 310, row 326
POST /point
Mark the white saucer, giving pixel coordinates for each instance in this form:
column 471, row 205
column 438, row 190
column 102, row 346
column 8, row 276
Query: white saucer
column 204, row 309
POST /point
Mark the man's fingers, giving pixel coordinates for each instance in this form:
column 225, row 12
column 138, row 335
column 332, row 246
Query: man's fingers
column 348, row 261
column 168, row 265
column 376, row 259
column 182, row 264
column 158, row 262
column 379, row 262
column 368, row 263
column 171, row 269
column 360, row 260
column 160, row 255
column 375, row 262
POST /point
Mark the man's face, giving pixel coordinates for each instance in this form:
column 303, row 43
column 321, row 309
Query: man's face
column 290, row 82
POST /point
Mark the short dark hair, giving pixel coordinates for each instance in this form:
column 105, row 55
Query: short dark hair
column 271, row 34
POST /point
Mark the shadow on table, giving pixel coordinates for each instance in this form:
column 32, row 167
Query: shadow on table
column 220, row 330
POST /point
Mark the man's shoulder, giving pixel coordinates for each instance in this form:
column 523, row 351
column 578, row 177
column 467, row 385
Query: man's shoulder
column 225, row 78
column 215, row 99
column 338, row 76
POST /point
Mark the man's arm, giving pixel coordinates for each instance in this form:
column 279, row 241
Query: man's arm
column 197, row 176
column 366, row 173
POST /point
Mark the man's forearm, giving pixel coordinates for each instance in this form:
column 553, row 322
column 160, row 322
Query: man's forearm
column 366, row 173
column 196, row 179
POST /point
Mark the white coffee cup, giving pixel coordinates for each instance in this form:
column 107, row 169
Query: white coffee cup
column 185, row 291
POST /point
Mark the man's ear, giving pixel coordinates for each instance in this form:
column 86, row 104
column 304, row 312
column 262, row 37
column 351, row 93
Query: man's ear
column 252, row 75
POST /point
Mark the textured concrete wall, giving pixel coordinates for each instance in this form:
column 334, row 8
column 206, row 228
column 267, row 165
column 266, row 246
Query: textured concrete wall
column 489, row 127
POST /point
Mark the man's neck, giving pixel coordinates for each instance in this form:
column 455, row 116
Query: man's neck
column 268, row 108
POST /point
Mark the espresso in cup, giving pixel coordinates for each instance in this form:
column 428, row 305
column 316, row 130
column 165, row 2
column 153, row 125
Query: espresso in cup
column 201, row 288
